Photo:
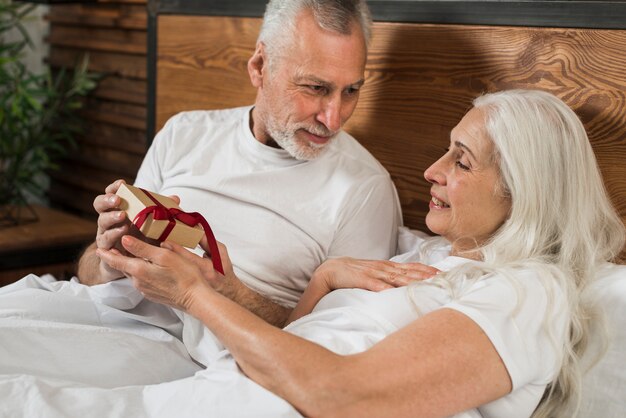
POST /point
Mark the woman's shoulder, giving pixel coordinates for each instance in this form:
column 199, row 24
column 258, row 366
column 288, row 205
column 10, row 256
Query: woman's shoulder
column 524, row 310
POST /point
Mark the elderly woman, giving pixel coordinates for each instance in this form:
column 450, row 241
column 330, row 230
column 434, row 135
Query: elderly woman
column 523, row 221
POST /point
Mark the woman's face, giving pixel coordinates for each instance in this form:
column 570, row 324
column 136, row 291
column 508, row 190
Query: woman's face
column 466, row 206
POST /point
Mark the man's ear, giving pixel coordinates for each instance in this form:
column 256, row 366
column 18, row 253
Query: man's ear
column 257, row 65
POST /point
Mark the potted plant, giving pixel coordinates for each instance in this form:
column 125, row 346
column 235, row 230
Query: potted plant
column 38, row 115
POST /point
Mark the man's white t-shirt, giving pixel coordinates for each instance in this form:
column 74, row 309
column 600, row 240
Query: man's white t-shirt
column 279, row 217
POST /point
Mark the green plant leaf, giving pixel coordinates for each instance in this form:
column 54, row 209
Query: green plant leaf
column 39, row 118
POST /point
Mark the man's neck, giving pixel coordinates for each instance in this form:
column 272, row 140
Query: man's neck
column 269, row 141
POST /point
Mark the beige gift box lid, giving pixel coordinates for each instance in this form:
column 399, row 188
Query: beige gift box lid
column 134, row 200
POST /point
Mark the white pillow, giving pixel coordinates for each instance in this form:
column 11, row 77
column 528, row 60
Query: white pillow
column 604, row 386
column 409, row 243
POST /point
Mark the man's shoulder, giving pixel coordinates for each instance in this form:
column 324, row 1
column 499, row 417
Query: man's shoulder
column 204, row 117
column 349, row 150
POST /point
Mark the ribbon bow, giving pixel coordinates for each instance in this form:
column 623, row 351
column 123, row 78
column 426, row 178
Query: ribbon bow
column 161, row 213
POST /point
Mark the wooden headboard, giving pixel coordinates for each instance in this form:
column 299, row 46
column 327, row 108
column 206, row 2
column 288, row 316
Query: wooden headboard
column 420, row 80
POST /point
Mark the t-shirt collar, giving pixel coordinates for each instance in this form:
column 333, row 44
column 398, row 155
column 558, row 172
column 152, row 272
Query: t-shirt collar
column 261, row 151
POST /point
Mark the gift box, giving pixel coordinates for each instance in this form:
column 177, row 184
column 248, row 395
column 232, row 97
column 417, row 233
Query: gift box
column 143, row 209
column 160, row 218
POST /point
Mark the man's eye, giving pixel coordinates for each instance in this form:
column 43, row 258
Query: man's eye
column 462, row 166
column 352, row 91
column 316, row 88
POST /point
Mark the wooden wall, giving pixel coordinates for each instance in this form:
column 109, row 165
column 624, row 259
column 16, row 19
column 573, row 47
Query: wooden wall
column 420, row 80
column 113, row 33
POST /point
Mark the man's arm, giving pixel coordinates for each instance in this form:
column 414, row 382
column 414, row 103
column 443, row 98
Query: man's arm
column 259, row 305
column 371, row 220
column 235, row 290
column 88, row 271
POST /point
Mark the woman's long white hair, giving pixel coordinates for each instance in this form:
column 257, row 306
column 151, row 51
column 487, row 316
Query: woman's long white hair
column 561, row 213
column 561, row 221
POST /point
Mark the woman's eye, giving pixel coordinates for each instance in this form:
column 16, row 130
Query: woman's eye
column 462, row 166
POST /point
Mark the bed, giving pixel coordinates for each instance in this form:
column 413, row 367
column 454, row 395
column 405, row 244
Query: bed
column 420, row 79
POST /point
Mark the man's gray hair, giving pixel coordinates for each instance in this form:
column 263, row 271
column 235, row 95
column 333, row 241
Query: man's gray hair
column 279, row 21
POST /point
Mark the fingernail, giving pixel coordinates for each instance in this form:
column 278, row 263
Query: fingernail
column 112, row 199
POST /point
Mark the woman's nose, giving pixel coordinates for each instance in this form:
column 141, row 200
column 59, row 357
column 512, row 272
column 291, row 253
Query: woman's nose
column 434, row 174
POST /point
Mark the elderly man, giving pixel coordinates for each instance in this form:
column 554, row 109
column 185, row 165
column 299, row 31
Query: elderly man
column 280, row 182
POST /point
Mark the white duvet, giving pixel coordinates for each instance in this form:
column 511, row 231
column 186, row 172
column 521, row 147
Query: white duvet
column 67, row 350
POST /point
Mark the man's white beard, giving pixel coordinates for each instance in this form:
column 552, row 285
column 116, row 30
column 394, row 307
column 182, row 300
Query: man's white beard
column 300, row 149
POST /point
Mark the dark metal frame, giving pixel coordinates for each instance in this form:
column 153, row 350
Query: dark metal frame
column 541, row 13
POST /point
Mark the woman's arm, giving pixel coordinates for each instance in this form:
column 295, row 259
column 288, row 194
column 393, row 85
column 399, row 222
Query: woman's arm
column 440, row 364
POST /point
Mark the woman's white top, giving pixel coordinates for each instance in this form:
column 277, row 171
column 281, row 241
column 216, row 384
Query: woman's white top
column 513, row 315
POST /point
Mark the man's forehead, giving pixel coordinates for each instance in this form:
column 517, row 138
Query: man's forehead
column 330, row 57
column 302, row 75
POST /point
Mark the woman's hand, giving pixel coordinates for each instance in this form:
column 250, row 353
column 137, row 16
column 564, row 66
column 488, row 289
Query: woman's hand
column 373, row 275
column 170, row 274
column 346, row 272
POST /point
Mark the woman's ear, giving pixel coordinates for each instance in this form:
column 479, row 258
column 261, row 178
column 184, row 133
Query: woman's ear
column 256, row 65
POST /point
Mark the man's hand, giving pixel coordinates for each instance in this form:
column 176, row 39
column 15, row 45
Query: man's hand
column 112, row 225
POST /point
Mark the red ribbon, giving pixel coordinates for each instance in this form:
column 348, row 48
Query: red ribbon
column 161, row 213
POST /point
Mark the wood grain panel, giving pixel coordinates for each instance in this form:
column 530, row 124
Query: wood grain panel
column 118, row 64
column 132, row 141
column 72, row 199
column 97, row 39
column 122, row 90
column 219, row 49
column 83, row 177
column 109, row 159
column 126, row 16
column 116, row 113
column 113, row 33
column 420, row 80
